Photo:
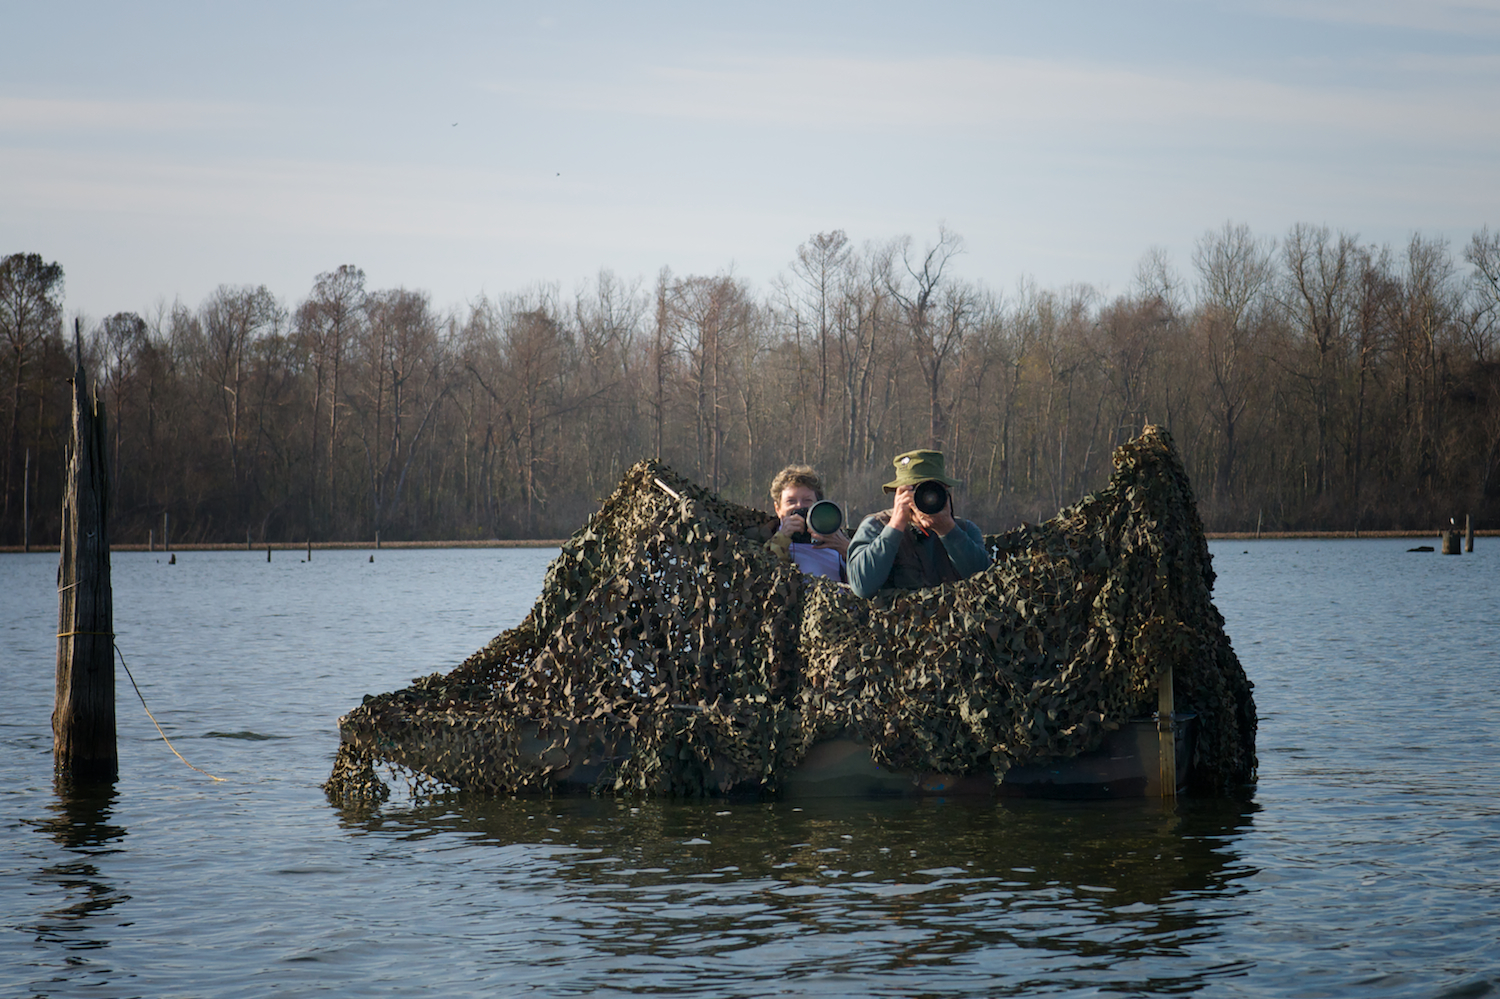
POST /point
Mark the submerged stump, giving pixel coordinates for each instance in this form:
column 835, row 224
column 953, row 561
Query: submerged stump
column 83, row 716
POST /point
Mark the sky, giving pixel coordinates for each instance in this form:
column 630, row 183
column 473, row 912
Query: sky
column 159, row 150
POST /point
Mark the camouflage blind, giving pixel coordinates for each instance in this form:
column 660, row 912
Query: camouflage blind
column 672, row 645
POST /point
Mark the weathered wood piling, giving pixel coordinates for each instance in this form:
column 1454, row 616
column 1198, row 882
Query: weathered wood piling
column 1166, row 728
column 83, row 715
column 26, row 504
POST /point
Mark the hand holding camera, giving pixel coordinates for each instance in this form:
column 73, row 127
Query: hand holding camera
column 819, row 525
column 927, row 505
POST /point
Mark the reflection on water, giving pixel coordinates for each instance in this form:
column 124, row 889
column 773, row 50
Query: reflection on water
column 79, row 822
column 934, row 891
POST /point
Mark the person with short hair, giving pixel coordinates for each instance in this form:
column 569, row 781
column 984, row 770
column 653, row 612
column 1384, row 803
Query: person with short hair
column 908, row 548
column 793, row 492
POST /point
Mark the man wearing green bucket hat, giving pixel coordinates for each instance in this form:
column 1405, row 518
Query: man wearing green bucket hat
column 918, row 542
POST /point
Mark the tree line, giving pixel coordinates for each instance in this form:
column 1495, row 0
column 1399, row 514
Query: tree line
column 1310, row 382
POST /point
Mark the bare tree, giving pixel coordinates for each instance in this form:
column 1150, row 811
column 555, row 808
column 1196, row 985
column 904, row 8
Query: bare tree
column 663, row 341
column 232, row 319
column 1482, row 326
column 1375, row 297
column 1319, row 268
column 935, row 324
column 536, row 351
column 330, row 319
column 819, row 270
column 30, row 311
column 1428, row 305
column 712, row 315
column 1234, row 273
column 1127, row 342
column 123, row 337
column 406, row 378
column 608, row 321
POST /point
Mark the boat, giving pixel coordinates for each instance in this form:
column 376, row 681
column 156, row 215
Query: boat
column 671, row 653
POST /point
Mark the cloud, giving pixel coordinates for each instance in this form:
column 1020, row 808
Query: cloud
column 920, row 97
column 283, row 195
column 1458, row 17
column 25, row 114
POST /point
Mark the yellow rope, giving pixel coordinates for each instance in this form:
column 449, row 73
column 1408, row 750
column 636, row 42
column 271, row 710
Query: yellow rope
column 111, row 635
column 154, row 721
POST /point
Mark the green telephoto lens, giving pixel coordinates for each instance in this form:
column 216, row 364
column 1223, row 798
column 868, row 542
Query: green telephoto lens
column 825, row 517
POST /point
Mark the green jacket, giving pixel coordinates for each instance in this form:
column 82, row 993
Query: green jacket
column 881, row 557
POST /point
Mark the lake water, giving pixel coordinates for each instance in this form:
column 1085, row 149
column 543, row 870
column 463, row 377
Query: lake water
column 1367, row 862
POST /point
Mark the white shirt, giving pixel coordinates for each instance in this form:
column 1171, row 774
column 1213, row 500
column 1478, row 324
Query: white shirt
column 817, row 561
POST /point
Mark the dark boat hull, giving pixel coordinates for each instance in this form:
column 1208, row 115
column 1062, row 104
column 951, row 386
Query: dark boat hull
column 1126, row 765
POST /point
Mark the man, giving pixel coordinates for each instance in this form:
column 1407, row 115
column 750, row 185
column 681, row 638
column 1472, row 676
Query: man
column 795, row 489
column 907, row 548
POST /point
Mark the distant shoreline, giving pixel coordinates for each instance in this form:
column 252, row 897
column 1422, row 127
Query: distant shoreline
column 1334, row 535
column 317, row 546
column 558, row 542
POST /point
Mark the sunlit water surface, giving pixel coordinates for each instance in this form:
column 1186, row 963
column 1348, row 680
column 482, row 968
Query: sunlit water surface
column 1366, row 863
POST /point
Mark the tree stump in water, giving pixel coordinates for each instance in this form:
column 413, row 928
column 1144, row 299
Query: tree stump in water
column 83, row 716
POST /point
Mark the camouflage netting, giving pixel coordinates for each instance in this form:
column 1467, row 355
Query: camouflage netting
column 672, row 646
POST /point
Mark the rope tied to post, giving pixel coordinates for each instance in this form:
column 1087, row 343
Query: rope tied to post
column 111, row 636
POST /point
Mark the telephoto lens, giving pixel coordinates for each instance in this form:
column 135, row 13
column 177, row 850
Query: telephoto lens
column 930, row 497
column 825, row 517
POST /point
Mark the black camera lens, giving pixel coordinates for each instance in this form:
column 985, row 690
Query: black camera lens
column 930, row 497
column 825, row 517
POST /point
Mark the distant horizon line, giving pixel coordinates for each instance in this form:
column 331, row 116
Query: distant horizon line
column 302, row 546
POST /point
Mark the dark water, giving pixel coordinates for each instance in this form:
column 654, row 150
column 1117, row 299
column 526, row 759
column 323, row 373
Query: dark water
column 1366, row 864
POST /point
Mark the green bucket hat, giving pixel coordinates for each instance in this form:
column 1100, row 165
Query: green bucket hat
column 916, row 467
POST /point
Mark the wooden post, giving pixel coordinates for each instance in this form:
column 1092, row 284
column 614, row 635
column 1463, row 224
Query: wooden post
column 1468, row 533
column 1259, row 514
column 26, row 505
column 1166, row 732
column 247, row 539
column 165, row 544
column 377, row 541
column 83, row 715
column 1450, row 542
column 151, row 539
column 309, row 549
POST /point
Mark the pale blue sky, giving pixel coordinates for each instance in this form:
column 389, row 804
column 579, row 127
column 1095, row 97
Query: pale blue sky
column 158, row 150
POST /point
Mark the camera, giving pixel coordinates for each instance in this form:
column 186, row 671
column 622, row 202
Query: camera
column 823, row 517
column 930, row 497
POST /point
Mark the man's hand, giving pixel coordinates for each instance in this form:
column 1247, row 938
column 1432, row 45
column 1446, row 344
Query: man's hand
column 792, row 524
column 906, row 513
column 905, row 509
